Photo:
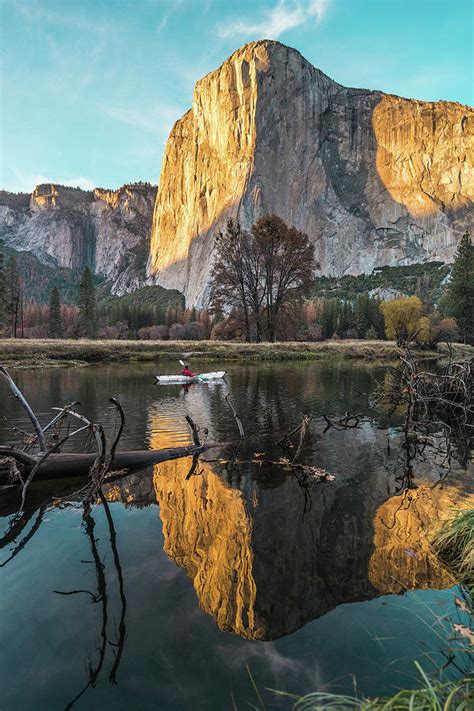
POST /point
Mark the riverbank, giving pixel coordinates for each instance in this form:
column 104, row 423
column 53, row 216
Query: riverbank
column 47, row 352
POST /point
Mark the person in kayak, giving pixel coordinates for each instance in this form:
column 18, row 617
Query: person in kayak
column 188, row 373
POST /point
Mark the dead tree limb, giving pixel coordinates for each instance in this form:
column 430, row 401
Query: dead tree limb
column 21, row 457
column 119, row 407
column 69, row 465
column 195, row 431
column 42, row 460
column 25, row 405
column 236, row 417
column 62, row 413
column 303, row 429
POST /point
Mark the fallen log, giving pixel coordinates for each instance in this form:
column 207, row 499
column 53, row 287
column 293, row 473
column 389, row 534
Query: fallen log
column 68, row 465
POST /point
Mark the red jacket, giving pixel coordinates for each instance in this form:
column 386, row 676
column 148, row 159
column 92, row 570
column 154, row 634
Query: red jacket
column 188, row 373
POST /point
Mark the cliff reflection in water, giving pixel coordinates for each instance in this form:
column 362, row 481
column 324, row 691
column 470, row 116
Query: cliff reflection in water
column 265, row 559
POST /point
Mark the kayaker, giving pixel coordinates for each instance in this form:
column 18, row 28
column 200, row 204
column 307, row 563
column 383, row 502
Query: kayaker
column 188, row 373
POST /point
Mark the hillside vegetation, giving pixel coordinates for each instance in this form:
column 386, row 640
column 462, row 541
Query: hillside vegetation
column 424, row 280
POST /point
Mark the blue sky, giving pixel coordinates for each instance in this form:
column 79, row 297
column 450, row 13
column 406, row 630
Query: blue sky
column 91, row 88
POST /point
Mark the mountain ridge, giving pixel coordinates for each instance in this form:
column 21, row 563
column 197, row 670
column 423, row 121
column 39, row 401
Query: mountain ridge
column 70, row 228
column 374, row 179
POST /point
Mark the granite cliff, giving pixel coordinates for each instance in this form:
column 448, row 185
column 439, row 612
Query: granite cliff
column 373, row 179
column 107, row 230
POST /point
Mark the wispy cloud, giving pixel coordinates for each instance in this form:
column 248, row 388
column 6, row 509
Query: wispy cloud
column 173, row 7
column 36, row 12
column 26, row 183
column 285, row 15
column 157, row 119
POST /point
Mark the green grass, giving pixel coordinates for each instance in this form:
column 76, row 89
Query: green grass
column 454, row 545
column 431, row 696
column 42, row 352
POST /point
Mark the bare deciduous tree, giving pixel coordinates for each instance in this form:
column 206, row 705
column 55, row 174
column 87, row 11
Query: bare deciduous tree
column 258, row 272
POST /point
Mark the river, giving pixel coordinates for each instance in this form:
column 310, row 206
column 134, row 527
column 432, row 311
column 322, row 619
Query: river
column 236, row 574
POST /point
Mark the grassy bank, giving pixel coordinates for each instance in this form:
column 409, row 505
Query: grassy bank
column 431, row 696
column 17, row 352
column 454, row 544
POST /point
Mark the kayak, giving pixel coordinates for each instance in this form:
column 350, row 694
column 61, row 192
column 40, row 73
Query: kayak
column 183, row 379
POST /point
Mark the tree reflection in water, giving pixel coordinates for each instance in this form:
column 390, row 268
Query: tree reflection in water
column 100, row 596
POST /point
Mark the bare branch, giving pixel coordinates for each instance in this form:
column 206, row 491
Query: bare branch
column 25, row 405
column 195, row 431
column 236, row 417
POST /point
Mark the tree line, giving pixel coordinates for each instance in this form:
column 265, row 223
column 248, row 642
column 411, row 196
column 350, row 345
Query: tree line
column 262, row 277
column 260, row 290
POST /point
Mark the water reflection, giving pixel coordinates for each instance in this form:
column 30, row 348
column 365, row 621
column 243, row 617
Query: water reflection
column 264, row 554
column 263, row 561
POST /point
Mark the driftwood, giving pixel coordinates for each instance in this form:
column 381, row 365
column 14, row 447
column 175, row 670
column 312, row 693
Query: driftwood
column 99, row 466
column 61, row 466
column 24, row 403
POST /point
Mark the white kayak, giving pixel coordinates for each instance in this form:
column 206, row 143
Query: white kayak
column 183, row 379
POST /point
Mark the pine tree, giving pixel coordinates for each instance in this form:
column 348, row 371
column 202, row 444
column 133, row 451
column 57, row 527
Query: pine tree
column 55, row 326
column 3, row 292
column 459, row 299
column 14, row 296
column 87, row 304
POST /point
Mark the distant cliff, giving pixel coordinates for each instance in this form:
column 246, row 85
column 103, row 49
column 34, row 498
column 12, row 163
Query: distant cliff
column 373, row 179
column 108, row 230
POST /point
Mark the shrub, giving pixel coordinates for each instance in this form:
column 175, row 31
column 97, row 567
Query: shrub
column 177, row 332
column 194, row 331
column 154, row 333
column 403, row 319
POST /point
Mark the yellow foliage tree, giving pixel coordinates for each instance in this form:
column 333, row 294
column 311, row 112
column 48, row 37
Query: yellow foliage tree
column 403, row 319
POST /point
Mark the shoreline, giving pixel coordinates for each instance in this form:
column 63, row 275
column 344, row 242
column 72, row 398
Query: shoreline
column 19, row 353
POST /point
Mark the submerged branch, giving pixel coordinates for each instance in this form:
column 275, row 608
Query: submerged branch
column 236, row 417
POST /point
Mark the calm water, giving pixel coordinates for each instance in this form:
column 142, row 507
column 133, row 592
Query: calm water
column 237, row 569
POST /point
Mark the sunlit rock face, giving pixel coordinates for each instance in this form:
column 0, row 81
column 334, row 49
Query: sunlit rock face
column 107, row 230
column 373, row 179
column 208, row 532
column 265, row 561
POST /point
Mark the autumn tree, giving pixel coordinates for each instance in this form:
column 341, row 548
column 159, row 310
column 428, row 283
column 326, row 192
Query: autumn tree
column 230, row 288
column 286, row 261
column 87, row 304
column 55, row 326
column 258, row 273
column 459, row 300
column 404, row 320
column 439, row 329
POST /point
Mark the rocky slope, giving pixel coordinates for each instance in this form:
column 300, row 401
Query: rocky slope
column 373, row 179
column 108, row 230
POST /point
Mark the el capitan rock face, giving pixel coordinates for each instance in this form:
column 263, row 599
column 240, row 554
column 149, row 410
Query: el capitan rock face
column 373, row 179
column 107, row 230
